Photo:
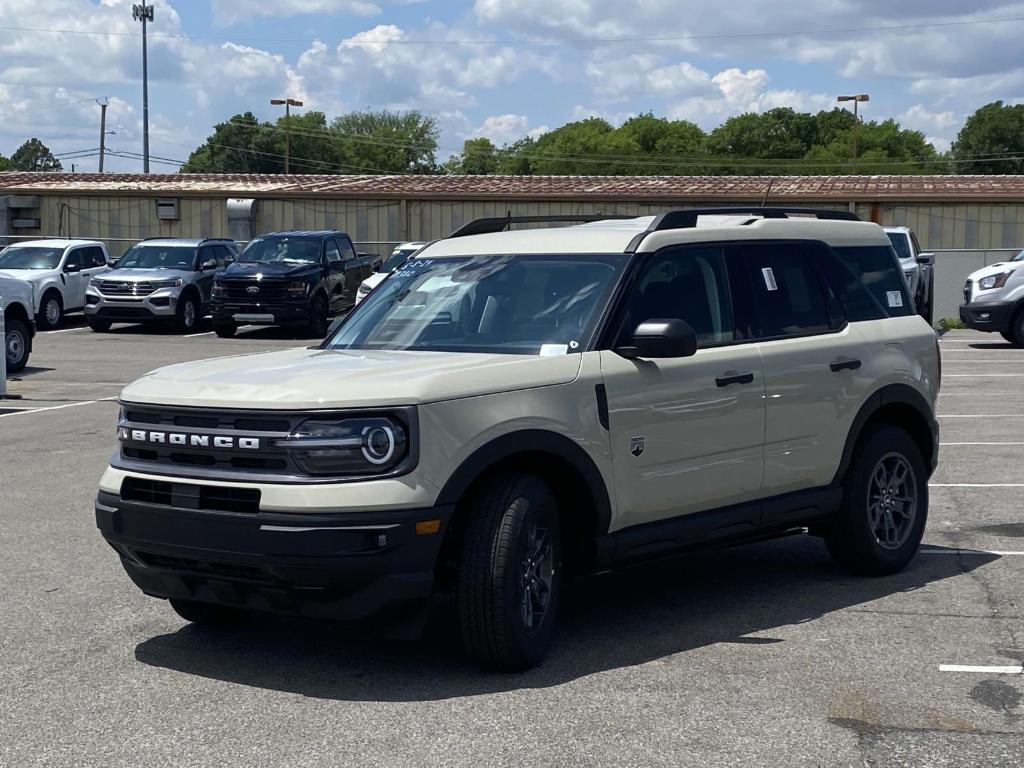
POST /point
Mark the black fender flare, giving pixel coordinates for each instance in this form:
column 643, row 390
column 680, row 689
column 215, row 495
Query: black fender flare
column 887, row 395
column 525, row 442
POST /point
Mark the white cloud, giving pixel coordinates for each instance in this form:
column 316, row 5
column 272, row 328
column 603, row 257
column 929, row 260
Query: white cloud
column 232, row 11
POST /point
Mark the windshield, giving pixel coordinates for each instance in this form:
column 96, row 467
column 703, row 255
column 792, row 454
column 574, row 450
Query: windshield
column 1019, row 256
column 27, row 257
column 521, row 305
column 396, row 258
column 901, row 244
column 296, row 250
column 152, row 256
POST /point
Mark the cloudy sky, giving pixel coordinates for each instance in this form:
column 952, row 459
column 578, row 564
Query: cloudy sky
column 496, row 68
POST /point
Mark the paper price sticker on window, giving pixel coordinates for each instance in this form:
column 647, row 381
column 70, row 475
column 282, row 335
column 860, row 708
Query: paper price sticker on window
column 895, row 298
column 769, row 279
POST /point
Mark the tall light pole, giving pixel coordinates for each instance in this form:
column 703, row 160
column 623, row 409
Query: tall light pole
column 288, row 104
column 856, row 120
column 142, row 12
column 103, row 130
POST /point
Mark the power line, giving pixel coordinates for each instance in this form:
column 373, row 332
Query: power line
column 543, row 41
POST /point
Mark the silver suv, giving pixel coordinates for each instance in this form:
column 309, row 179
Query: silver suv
column 510, row 407
column 162, row 279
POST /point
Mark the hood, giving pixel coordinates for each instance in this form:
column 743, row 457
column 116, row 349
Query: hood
column 136, row 274
column 29, row 275
column 299, row 379
column 240, row 269
column 374, row 280
column 995, row 269
column 12, row 288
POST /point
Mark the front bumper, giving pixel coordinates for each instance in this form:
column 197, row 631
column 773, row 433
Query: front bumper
column 161, row 305
column 334, row 566
column 987, row 316
column 293, row 312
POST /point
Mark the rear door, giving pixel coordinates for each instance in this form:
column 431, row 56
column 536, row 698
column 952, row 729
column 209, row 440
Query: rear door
column 687, row 434
column 813, row 358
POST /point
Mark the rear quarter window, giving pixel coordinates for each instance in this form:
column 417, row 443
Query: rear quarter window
column 869, row 282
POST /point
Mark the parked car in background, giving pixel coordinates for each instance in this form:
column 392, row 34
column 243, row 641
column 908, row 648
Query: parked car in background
column 161, row 279
column 59, row 270
column 400, row 254
column 994, row 300
column 19, row 325
column 918, row 268
column 295, row 279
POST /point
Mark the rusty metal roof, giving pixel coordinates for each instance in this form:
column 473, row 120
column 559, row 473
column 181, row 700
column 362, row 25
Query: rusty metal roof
column 639, row 188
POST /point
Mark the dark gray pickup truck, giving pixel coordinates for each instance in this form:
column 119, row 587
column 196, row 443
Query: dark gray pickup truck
column 290, row 278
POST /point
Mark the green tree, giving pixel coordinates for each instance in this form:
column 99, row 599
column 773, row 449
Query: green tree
column 994, row 131
column 33, row 155
column 240, row 145
column 479, row 158
column 5, row 164
column 386, row 142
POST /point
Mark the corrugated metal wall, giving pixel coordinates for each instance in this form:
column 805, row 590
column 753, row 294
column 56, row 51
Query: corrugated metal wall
column 121, row 220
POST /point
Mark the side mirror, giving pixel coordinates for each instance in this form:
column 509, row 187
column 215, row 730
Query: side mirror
column 658, row 338
column 925, row 258
column 209, row 264
column 112, row 263
column 72, row 268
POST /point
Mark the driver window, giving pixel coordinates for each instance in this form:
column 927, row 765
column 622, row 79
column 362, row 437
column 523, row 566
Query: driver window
column 333, row 255
column 689, row 284
column 75, row 258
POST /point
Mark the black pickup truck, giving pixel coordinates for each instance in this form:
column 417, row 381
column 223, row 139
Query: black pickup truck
column 290, row 278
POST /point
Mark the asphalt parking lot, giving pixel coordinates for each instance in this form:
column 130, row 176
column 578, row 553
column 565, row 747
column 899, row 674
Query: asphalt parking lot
column 765, row 655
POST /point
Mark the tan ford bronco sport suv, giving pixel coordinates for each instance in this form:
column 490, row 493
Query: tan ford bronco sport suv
column 510, row 407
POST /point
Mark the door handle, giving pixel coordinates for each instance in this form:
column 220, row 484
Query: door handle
column 731, row 377
column 844, row 365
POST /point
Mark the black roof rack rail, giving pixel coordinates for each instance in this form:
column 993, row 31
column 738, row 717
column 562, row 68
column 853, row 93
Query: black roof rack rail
column 499, row 223
column 687, row 219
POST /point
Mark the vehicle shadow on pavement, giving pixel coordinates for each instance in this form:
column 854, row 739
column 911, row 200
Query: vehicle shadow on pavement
column 612, row 621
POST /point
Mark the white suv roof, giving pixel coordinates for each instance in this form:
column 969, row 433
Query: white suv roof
column 617, row 235
column 55, row 243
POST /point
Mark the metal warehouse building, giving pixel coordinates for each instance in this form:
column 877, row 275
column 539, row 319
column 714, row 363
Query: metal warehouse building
column 973, row 219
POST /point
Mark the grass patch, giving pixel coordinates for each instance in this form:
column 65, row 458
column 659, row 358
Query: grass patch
column 951, row 324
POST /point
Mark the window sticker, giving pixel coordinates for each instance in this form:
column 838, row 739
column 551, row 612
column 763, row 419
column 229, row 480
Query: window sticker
column 895, row 298
column 769, row 279
column 553, row 350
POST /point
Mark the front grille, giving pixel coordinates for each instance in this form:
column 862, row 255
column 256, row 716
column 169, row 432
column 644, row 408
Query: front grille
column 123, row 288
column 967, row 292
column 238, row 290
column 261, row 426
column 186, row 496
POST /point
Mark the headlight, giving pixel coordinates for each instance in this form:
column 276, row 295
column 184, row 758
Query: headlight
column 298, row 287
column 158, row 284
column 348, row 446
column 363, row 290
column 995, row 281
column 218, row 289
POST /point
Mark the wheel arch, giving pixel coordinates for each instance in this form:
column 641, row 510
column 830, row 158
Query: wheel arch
column 17, row 311
column 573, row 477
column 899, row 405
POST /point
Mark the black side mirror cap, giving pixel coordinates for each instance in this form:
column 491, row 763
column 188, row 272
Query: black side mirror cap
column 661, row 338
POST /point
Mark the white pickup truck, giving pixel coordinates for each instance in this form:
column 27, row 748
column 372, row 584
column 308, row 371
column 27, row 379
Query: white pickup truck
column 59, row 270
column 19, row 327
column 918, row 268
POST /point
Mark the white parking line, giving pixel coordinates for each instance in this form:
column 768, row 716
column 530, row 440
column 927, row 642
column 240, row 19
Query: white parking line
column 945, row 444
column 976, row 485
column 67, row 330
column 193, row 335
column 982, row 375
column 999, row 553
column 980, row 416
column 54, row 407
column 995, row 670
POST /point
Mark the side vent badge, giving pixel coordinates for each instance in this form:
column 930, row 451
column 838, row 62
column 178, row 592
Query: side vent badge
column 636, row 446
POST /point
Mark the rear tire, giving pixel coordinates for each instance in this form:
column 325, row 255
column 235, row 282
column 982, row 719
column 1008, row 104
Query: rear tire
column 98, row 324
column 16, row 345
column 317, row 325
column 509, row 573
column 51, row 311
column 885, row 505
column 208, row 614
column 187, row 318
column 226, row 329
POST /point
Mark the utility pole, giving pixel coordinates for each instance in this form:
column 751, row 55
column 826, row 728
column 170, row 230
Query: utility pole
column 103, row 130
column 142, row 12
column 856, row 119
column 288, row 104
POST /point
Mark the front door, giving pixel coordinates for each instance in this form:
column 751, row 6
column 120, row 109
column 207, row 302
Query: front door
column 686, row 434
column 337, row 279
column 73, row 279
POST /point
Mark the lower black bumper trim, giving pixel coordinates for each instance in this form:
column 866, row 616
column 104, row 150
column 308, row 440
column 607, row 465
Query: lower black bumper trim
column 994, row 317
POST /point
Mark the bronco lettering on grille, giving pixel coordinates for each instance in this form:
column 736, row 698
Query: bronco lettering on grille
column 191, row 440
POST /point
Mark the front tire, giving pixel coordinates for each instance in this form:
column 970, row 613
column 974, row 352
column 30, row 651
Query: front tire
column 225, row 329
column 16, row 345
column 885, row 505
column 98, row 324
column 1016, row 334
column 208, row 614
column 509, row 573
column 187, row 316
column 51, row 311
column 317, row 325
